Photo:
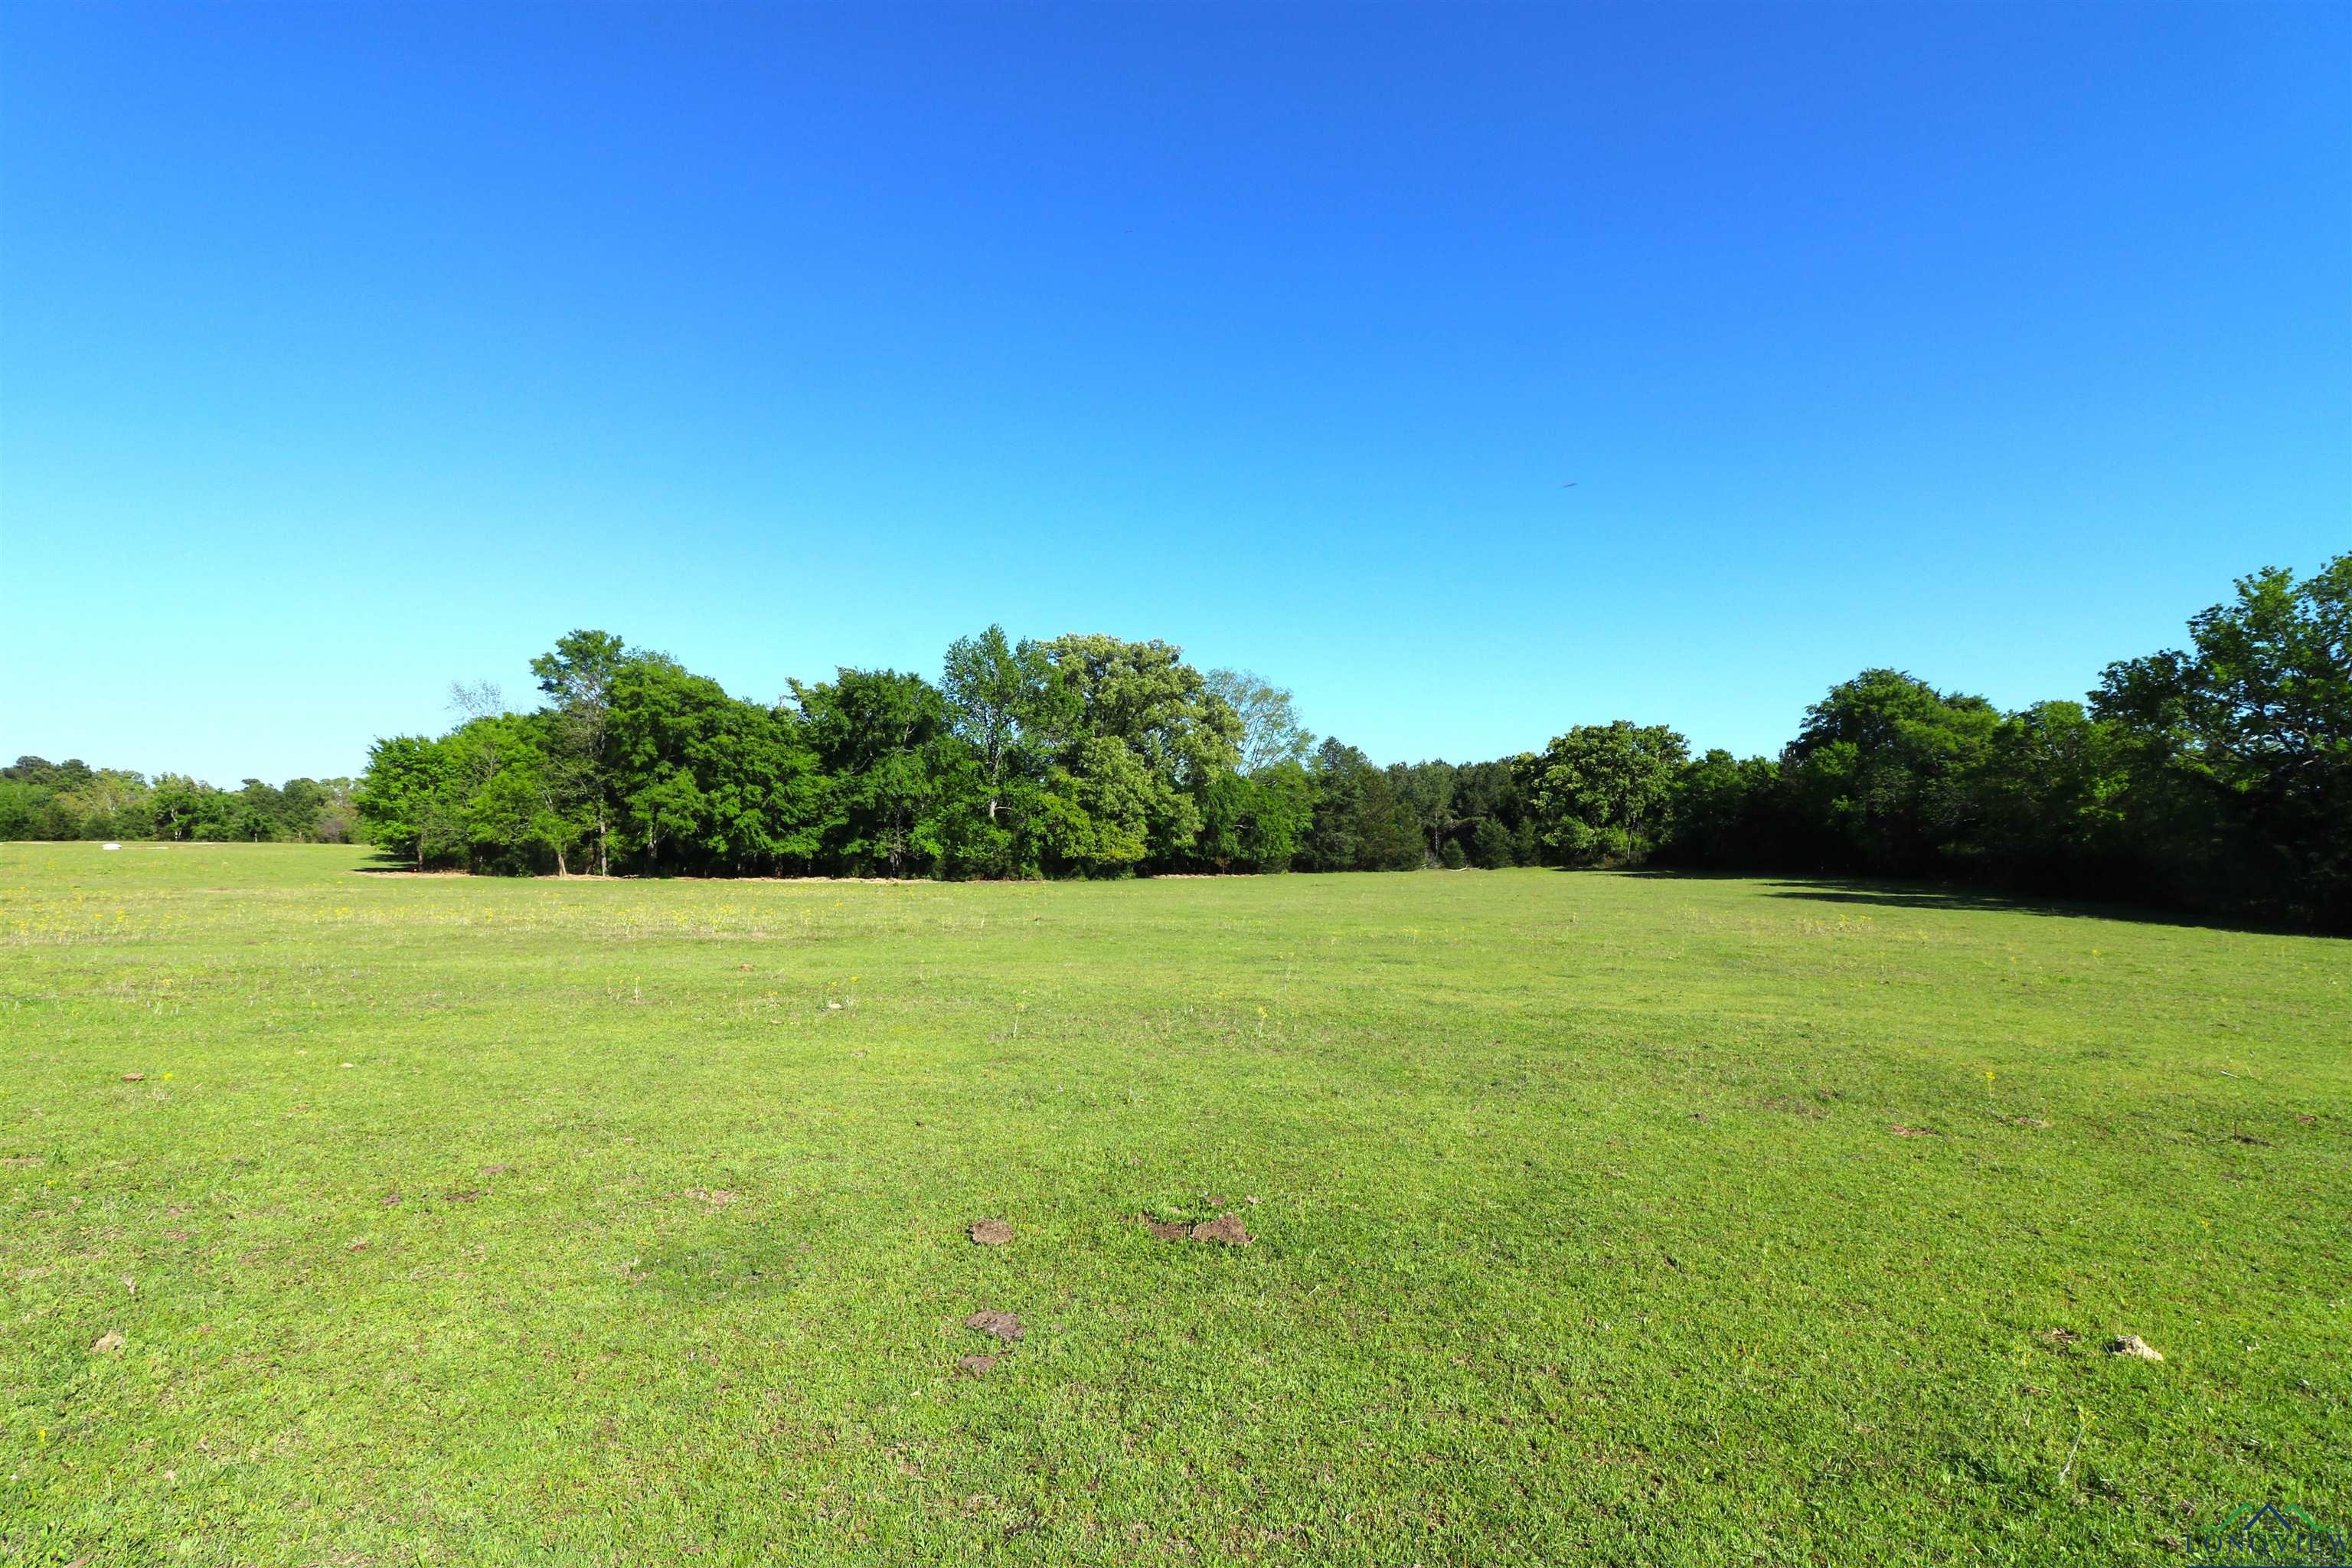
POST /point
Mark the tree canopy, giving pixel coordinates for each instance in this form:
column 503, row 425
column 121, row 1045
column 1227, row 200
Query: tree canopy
column 2214, row 778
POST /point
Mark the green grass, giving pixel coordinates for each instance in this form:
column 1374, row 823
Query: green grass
column 1583, row 1235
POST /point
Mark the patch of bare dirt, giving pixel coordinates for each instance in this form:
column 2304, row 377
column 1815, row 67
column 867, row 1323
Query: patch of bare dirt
column 1902, row 1132
column 2033, row 1122
column 714, row 1197
column 106, row 1343
column 1161, row 1231
column 977, row 1365
column 2061, row 1338
column 990, row 1232
column 1226, row 1228
column 134, row 1078
column 2133, row 1345
column 1004, row 1326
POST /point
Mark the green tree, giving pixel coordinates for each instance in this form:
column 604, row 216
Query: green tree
column 1255, row 822
column 1143, row 699
column 1727, row 812
column 2239, row 751
column 1489, row 810
column 1271, row 733
column 412, row 798
column 1360, row 823
column 577, row 676
column 704, row 781
column 882, row 740
column 1097, row 808
column 1427, row 790
column 1602, row 794
column 1883, row 773
column 1011, row 713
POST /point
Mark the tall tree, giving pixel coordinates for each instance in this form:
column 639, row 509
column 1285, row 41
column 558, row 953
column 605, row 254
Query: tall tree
column 1427, row 788
column 2240, row 748
column 877, row 735
column 412, row 800
column 1885, row 771
column 1141, row 698
column 1601, row 793
column 1271, row 732
column 1360, row 823
column 1007, row 705
column 577, row 676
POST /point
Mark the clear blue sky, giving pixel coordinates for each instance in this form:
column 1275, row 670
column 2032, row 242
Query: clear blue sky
column 348, row 350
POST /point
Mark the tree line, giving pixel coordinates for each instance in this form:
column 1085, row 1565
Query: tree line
column 42, row 799
column 2215, row 779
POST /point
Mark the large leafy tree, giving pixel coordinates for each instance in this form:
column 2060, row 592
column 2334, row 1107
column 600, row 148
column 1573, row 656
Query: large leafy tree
column 704, row 781
column 1602, row 794
column 577, row 675
column 1271, row 733
column 2239, row 749
column 413, row 800
column 1141, row 700
column 1097, row 808
column 1255, row 821
column 2049, row 792
column 883, row 740
column 1883, row 771
column 1007, row 705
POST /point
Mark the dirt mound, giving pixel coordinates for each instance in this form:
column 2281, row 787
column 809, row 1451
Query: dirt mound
column 990, row 1232
column 1225, row 1228
column 1005, row 1326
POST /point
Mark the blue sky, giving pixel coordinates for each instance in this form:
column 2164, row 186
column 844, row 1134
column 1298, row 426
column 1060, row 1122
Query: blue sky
column 345, row 351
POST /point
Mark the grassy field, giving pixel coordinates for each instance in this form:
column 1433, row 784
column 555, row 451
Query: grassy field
column 1597, row 1219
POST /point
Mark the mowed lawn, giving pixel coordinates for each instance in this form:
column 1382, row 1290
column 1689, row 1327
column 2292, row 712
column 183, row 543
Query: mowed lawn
column 470, row 1221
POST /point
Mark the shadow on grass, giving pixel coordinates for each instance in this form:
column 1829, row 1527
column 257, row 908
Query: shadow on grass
column 1960, row 899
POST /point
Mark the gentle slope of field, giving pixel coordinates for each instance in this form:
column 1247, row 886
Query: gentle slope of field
column 1584, row 1229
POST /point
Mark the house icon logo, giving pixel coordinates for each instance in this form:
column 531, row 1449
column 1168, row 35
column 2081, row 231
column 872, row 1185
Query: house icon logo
column 2270, row 1535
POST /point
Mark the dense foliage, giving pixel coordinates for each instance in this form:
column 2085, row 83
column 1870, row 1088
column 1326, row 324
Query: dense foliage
column 2216, row 779
column 41, row 799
